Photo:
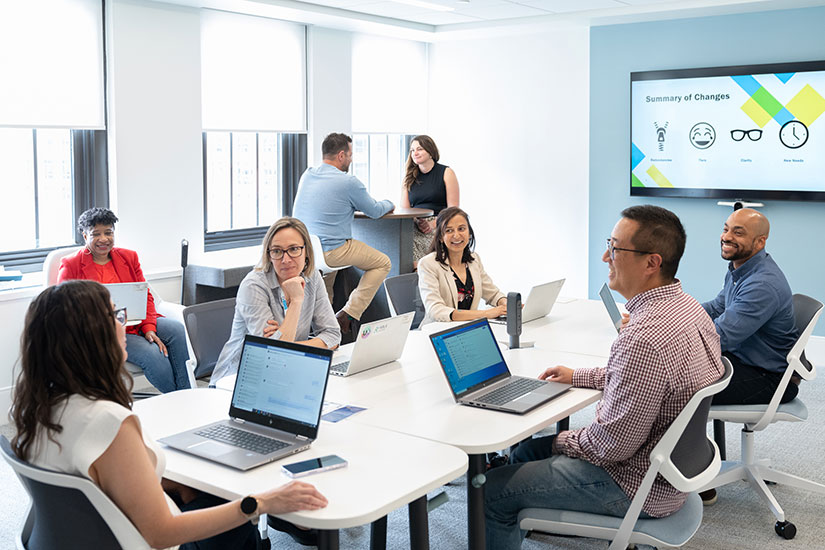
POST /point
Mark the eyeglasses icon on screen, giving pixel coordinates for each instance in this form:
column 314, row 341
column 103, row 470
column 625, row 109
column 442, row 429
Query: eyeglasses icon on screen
column 739, row 135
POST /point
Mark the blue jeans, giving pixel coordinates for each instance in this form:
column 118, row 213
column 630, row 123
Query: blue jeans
column 536, row 478
column 165, row 373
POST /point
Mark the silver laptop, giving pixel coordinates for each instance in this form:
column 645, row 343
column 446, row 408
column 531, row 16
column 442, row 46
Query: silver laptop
column 377, row 343
column 539, row 302
column 479, row 377
column 275, row 410
column 610, row 304
column 132, row 296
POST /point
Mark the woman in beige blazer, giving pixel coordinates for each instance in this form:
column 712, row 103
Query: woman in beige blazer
column 451, row 278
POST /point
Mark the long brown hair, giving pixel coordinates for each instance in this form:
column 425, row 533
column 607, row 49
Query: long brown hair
column 69, row 346
column 412, row 171
column 438, row 245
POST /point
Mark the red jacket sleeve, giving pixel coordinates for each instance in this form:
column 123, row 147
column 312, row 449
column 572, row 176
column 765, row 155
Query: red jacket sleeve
column 69, row 268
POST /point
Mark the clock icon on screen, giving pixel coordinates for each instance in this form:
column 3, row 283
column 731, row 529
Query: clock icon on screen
column 793, row 134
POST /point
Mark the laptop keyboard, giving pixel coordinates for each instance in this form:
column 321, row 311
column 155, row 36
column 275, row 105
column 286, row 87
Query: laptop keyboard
column 339, row 368
column 241, row 438
column 510, row 391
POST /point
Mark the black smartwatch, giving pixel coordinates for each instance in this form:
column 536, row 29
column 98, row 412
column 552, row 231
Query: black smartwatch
column 249, row 507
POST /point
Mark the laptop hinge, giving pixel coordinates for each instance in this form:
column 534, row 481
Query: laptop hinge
column 302, row 438
column 238, row 420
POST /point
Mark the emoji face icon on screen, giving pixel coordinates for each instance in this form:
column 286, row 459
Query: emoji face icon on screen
column 702, row 135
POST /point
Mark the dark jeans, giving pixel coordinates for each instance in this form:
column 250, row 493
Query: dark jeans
column 243, row 537
column 752, row 385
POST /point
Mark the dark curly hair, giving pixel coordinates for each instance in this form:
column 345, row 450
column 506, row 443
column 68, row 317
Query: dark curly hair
column 94, row 217
column 69, row 346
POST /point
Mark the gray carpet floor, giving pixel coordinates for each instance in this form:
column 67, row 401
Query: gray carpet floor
column 738, row 521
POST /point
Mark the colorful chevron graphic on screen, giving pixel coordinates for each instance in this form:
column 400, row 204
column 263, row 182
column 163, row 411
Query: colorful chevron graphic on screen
column 762, row 107
column 636, row 156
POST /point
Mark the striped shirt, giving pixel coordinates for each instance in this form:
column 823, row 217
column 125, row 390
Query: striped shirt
column 668, row 350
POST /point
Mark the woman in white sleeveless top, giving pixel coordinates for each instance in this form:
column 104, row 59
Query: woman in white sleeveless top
column 72, row 409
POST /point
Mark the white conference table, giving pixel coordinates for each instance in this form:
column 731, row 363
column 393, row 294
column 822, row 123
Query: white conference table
column 411, row 395
column 385, row 469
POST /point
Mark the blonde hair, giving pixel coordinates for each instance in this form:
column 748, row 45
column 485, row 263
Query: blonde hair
column 265, row 263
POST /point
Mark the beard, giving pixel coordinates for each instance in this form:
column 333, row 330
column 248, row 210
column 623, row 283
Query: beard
column 739, row 253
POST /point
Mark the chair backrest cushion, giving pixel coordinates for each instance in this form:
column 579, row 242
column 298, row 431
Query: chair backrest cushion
column 694, row 452
column 209, row 326
column 405, row 296
column 51, row 265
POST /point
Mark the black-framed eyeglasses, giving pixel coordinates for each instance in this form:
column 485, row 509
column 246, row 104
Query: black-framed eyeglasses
column 292, row 252
column 739, row 135
column 120, row 315
column 612, row 249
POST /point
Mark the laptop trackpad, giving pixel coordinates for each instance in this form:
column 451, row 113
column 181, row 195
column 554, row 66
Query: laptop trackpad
column 213, row 448
column 530, row 398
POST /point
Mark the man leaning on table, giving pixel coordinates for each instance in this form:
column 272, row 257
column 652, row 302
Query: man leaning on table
column 326, row 202
column 753, row 315
column 668, row 350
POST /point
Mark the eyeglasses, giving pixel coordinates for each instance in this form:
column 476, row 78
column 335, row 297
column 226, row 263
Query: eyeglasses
column 109, row 233
column 292, row 251
column 120, row 315
column 612, row 250
column 739, row 135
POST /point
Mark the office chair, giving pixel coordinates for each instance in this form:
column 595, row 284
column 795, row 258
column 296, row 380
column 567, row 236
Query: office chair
column 687, row 459
column 757, row 417
column 403, row 296
column 69, row 511
column 320, row 261
column 51, row 266
column 208, row 325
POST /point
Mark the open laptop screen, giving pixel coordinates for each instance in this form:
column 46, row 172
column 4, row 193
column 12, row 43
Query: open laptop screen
column 469, row 355
column 281, row 380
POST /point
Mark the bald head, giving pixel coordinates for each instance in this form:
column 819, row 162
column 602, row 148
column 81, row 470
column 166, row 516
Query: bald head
column 744, row 234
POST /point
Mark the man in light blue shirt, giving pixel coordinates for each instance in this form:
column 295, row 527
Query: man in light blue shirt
column 326, row 202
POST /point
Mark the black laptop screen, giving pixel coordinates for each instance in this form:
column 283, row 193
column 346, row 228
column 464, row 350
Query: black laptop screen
column 469, row 355
column 276, row 381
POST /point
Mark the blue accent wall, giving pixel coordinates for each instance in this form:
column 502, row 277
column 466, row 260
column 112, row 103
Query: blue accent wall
column 797, row 240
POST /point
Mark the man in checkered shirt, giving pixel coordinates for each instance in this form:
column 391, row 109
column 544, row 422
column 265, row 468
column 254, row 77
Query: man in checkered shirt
column 667, row 351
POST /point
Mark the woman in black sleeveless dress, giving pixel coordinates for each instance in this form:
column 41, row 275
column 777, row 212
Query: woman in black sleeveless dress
column 427, row 184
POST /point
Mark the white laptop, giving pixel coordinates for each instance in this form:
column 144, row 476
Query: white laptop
column 275, row 409
column 132, row 296
column 377, row 343
column 611, row 307
column 479, row 377
column 539, row 302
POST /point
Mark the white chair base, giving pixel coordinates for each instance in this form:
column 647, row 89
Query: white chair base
column 756, row 473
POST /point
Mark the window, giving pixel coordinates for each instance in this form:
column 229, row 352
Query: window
column 249, row 182
column 52, row 125
column 253, row 80
column 379, row 161
column 56, row 174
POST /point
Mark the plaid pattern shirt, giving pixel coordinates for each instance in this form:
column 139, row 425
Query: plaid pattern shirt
column 668, row 350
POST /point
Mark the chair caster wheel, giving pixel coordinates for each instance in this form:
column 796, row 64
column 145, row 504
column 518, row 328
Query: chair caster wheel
column 785, row 529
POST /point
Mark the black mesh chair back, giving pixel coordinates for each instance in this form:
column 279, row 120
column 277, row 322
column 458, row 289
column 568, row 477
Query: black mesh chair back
column 209, row 325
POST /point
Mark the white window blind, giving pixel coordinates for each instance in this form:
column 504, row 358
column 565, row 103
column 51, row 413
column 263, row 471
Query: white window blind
column 51, row 64
column 253, row 73
column 389, row 85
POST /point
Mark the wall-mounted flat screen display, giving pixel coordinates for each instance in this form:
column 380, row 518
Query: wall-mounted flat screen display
column 746, row 132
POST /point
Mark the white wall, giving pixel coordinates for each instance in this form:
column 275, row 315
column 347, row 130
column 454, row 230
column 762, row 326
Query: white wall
column 510, row 116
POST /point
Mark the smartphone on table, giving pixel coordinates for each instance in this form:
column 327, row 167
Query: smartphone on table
column 313, row 466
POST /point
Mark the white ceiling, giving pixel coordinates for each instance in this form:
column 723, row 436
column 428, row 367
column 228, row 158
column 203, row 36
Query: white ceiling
column 393, row 17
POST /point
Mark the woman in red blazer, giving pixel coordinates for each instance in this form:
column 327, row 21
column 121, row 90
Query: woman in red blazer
column 157, row 344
